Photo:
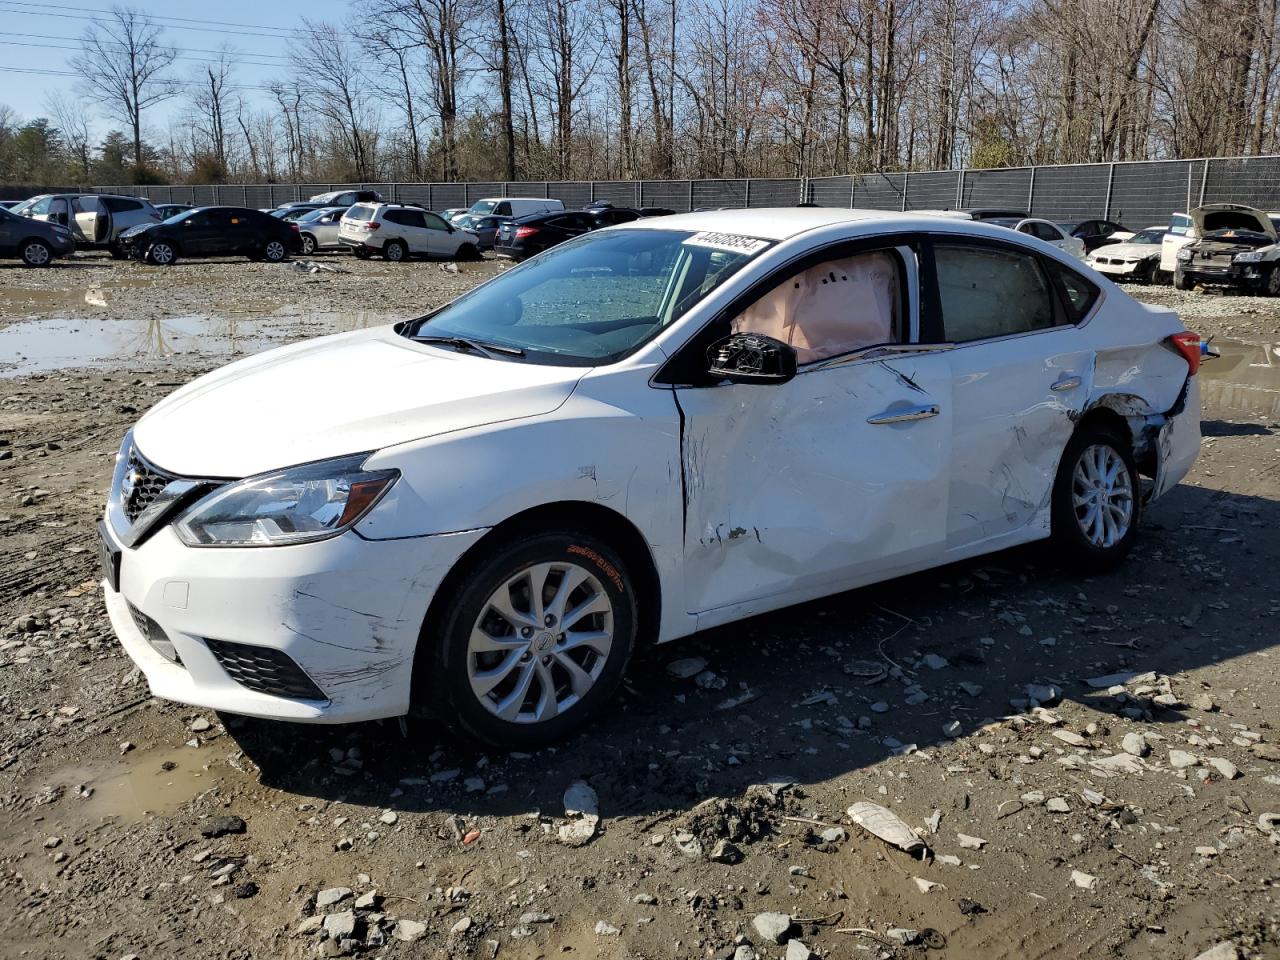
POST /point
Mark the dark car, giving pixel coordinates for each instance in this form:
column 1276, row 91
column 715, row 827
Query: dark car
column 611, row 216
column 995, row 213
column 213, row 232
column 35, row 242
column 521, row 238
column 9, row 204
column 655, row 211
column 1094, row 233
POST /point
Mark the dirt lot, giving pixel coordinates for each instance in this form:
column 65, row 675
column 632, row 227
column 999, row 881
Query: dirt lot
column 1134, row 817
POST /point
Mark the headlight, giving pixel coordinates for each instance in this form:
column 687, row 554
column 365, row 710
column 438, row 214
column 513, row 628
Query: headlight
column 1185, row 254
column 311, row 502
column 1253, row 256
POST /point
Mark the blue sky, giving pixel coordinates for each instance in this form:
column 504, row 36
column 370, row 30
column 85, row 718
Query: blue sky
column 33, row 36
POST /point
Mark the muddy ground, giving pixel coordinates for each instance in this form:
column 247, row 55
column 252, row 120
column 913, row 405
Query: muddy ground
column 1047, row 838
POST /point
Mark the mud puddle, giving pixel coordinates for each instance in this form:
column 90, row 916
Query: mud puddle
column 48, row 345
column 1245, row 380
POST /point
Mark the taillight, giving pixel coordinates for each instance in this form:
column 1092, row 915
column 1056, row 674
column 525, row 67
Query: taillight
column 523, row 233
column 296, row 228
column 1188, row 345
column 371, row 225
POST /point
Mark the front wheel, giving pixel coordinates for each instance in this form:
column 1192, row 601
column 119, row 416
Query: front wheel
column 468, row 251
column 1097, row 499
column 1181, row 281
column 37, row 253
column 308, row 244
column 162, row 254
column 534, row 642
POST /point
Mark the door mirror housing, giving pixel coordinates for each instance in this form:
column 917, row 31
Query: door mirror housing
column 751, row 358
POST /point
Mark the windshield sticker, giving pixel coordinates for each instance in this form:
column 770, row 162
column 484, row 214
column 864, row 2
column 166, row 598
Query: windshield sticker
column 727, row 241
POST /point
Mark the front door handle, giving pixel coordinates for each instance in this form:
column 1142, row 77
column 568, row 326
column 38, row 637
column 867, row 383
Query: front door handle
column 1065, row 383
column 905, row 414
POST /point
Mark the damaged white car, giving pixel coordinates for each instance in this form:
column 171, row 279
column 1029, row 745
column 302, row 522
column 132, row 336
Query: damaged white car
column 1232, row 246
column 481, row 514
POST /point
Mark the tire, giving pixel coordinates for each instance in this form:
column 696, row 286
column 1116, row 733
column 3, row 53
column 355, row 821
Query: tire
column 468, row 251
column 1181, row 282
column 1080, row 534
column 274, row 251
column 162, row 253
column 1147, row 273
column 395, row 251
column 362, row 253
column 37, row 253
column 1271, row 284
column 308, row 245
column 117, row 252
column 450, row 671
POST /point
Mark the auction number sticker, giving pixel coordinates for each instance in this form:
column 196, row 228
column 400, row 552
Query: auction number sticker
column 727, row 241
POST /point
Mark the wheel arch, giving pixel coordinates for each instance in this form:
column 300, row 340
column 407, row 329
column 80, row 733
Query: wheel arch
column 603, row 521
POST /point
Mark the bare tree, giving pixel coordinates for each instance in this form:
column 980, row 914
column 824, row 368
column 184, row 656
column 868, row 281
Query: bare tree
column 329, row 71
column 123, row 66
column 211, row 99
column 71, row 119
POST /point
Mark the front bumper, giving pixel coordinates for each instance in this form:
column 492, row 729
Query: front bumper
column 347, row 611
column 1122, row 269
column 1209, row 275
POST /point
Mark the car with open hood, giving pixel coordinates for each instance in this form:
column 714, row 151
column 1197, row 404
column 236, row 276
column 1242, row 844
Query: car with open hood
column 478, row 515
column 1232, row 245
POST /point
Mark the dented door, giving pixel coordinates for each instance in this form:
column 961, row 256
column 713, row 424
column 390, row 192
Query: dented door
column 836, row 478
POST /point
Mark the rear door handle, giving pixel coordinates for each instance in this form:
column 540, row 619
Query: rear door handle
column 905, row 414
column 1065, row 383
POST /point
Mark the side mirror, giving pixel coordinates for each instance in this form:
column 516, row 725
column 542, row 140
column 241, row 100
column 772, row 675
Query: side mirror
column 751, row 358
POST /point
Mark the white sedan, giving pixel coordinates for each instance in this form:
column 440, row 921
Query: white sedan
column 1137, row 258
column 653, row 429
column 1050, row 232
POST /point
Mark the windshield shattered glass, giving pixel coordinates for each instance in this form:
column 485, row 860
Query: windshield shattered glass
column 594, row 299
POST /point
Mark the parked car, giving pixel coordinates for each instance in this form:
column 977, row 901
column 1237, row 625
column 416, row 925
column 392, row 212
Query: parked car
column 1231, row 245
column 1043, row 230
column 399, row 231
column 345, row 198
column 1095, row 233
column 213, row 232
column 95, row 220
column 35, row 242
column 485, row 228
column 167, row 210
column 1137, row 258
column 319, row 229
column 515, row 206
column 452, row 213
column 1180, row 232
column 521, row 238
column 398, row 520
column 292, row 211
column 611, row 216
column 9, row 204
column 656, row 211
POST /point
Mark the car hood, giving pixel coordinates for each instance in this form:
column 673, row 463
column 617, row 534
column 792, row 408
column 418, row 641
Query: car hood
column 1128, row 250
column 139, row 229
column 1217, row 217
column 337, row 395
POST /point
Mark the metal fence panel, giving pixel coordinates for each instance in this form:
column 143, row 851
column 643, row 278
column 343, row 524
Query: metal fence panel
column 934, row 190
column 621, row 193
column 719, row 193
column 1257, row 178
column 780, row 192
column 879, row 191
column 672, row 194
column 419, row 193
column 1070, row 192
column 1146, row 193
column 535, row 189
column 830, row 191
column 482, row 191
column 573, row 194
column 447, row 195
column 997, row 188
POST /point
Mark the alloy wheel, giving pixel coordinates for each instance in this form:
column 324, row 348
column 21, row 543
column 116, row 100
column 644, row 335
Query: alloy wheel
column 308, row 246
column 275, row 251
column 161, row 254
column 540, row 642
column 1102, row 495
column 36, row 254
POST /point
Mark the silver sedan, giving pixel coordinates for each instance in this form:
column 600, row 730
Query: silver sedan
column 319, row 229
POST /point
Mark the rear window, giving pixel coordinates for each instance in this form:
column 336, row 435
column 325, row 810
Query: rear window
column 360, row 213
column 119, row 205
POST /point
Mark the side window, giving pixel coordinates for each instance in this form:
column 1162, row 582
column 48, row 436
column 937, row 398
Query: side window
column 990, row 292
column 503, row 209
column 1045, row 232
column 833, row 307
column 395, row 216
column 1078, row 293
column 432, row 222
column 41, row 209
column 118, row 205
column 1179, row 224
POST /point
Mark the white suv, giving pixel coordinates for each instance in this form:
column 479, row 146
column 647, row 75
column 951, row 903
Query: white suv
column 398, row 231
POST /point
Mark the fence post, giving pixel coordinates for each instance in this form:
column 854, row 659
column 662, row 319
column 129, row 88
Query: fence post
column 960, row 189
column 906, row 186
column 690, row 207
column 1111, row 179
column 853, row 186
column 747, row 201
column 591, row 186
column 1031, row 194
column 1204, row 180
column 244, row 195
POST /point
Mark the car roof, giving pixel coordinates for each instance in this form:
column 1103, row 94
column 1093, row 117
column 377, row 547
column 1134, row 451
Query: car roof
column 775, row 223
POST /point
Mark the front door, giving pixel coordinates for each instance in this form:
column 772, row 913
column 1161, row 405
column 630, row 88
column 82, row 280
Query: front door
column 835, row 478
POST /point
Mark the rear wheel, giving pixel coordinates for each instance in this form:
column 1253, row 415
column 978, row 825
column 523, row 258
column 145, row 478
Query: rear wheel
column 162, row 254
column 1097, row 499
column 274, row 251
column 37, row 253
column 395, row 251
column 362, row 253
column 534, row 642
column 308, row 244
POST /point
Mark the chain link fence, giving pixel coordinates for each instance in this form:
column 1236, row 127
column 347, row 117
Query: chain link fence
column 1137, row 194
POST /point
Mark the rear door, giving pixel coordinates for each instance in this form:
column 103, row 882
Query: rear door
column 441, row 241
column 89, row 214
column 1021, row 372
column 411, row 228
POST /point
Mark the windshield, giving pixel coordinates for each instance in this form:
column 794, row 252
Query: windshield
column 484, row 206
column 315, row 215
column 594, row 299
column 1150, row 235
column 24, row 205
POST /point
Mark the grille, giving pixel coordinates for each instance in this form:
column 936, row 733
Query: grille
column 264, row 670
column 147, row 482
column 155, row 635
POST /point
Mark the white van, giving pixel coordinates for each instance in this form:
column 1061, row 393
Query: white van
column 514, row 206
